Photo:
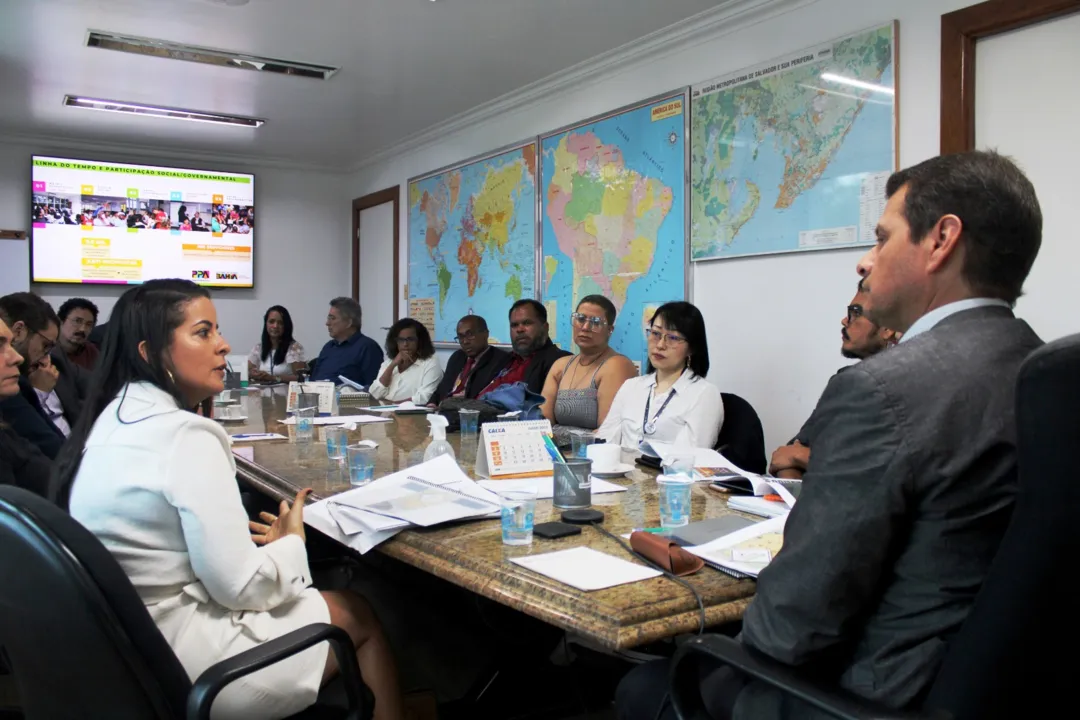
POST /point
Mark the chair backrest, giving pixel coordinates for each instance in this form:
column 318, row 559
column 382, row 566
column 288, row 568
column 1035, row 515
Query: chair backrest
column 79, row 639
column 1004, row 661
column 741, row 439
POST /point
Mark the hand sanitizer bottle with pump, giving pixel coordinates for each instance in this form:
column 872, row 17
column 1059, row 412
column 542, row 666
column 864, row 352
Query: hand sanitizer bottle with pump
column 438, row 445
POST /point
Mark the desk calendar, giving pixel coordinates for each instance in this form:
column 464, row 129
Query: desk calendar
column 325, row 391
column 515, row 449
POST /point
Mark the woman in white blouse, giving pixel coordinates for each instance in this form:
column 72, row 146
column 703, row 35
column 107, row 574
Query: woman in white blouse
column 411, row 370
column 277, row 357
column 673, row 403
column 157, row 485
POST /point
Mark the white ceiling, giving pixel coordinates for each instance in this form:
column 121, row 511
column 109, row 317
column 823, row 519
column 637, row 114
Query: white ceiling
column 406, row 65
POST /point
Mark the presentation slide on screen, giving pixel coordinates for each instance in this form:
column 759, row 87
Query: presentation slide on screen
column 125, row 224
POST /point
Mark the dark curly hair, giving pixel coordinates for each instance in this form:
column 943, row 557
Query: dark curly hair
column 424, row 347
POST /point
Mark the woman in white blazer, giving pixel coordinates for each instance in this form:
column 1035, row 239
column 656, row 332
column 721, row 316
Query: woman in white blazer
column 411, row 371
column 157, row 485
column 673, row 403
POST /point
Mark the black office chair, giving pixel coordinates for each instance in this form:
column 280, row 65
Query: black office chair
column 741, row 439
column 1006, row 660
column 81, row 643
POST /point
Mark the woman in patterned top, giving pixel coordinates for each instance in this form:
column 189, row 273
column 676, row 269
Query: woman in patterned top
column 278, row 358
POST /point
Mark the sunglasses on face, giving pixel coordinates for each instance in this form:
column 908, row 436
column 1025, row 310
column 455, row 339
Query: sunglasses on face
column 586, row 322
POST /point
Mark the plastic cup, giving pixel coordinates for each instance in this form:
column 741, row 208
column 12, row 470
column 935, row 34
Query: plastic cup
column 337, row 438
column 518, row 508
column 572, row 484
column 580, row 442
column 680, row 463
column 361, row 460
column 305, row 424
column 470, row 420
column 674, row 501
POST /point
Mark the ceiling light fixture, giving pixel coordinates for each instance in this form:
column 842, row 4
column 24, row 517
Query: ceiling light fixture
column 208, row 56
column 832, row 77
column 160, row 112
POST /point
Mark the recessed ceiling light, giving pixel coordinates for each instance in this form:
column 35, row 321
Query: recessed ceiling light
column 208, row 56
column 160, row 112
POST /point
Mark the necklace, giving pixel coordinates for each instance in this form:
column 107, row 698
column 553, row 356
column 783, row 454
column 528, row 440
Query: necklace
column 573, row 376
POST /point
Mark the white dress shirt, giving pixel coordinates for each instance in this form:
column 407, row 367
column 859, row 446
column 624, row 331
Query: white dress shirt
column 157, row 485
column 932, row 318
column 54, row 409
column 418, row 383
column 693, row 416
column 294, row 354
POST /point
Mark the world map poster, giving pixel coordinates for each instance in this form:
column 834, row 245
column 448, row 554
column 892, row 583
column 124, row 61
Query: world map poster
column 472, row 242
column 613, row 218
column 794, row 154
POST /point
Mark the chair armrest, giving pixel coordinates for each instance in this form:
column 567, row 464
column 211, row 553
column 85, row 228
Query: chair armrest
column 214, row 679
column 715, row 650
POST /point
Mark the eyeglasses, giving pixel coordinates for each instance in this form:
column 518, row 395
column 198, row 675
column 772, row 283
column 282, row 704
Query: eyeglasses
column 656, row 336
column 79, row 323
column 466, row 336
column 585, row 322
column 48, row 344
column 408, row 340
column 854, row 312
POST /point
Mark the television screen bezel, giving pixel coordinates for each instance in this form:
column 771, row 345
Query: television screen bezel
column 98, row 283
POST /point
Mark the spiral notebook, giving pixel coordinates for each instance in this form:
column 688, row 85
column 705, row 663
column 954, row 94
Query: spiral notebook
column 746, row 552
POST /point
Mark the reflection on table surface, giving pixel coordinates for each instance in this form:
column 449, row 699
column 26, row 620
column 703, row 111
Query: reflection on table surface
column 471, row 554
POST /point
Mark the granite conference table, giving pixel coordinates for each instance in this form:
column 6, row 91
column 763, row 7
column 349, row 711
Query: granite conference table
column 471, row 554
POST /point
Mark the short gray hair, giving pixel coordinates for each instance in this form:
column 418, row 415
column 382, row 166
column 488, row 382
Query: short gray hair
column 349, row 308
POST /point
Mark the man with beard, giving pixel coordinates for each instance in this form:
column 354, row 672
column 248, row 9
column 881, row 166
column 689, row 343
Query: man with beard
column 860, row 338
column 78, row 316
column 534, row 353
column 34, row 329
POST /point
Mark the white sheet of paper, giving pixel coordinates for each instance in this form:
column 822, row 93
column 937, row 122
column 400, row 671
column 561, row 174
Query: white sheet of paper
column 586, row 569
column 248, row 453
column 318, row 517
column 545, row 486
column 341, row 420
column 354, row 520
column 751, row 555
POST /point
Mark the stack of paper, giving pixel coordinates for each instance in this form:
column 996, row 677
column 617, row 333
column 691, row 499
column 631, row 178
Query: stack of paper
column 745, row 552
column 406, row 408
column 711, row 466
column 545, row 486
column 586, row 569
column 427, row 494
column 340, row 420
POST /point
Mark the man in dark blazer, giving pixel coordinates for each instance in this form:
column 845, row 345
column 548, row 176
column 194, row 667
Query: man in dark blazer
column 913, row 476
column 534, row 353
column 470, row 369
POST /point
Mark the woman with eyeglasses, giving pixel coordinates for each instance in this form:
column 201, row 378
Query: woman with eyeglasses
column 674, row 403
column 277, row 357
column 411, row 371
column 579, row 389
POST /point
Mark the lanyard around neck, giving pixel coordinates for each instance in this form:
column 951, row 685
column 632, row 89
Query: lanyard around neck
column 649, row 426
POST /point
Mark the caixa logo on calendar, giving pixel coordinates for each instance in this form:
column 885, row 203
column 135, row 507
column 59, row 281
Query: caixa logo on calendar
column 200, row 274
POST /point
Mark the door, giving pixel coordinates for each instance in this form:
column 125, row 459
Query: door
column 375, row 260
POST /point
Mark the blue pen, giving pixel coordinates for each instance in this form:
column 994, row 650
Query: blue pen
column 252, row 436
column 552, row 450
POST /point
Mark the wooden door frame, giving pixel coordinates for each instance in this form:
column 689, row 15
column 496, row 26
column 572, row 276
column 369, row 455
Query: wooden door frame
column 389, row 195
column 959, row 32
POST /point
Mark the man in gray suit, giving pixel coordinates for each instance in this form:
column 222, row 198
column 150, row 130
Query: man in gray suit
column 913, row 475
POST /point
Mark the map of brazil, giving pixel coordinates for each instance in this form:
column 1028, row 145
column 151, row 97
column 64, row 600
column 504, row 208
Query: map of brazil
column 794, row 154
column 614, row 218
column 472, row 242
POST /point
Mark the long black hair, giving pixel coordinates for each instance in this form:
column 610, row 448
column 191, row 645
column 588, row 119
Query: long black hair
column 424, row 346
column 685, row 319
column 286, row 335
column 150, row 312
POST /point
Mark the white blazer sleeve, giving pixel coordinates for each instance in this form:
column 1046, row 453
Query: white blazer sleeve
column 201, row 485
column 377, row 389
column 704, row 418
column 611, row 429
column 430, row 378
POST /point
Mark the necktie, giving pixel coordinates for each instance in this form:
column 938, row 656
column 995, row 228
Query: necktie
column 463, row 378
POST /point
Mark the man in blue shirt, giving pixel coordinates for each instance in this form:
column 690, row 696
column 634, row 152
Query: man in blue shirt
column 349, row 352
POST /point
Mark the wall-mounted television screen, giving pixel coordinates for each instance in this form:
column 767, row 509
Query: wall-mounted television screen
column 113, row 223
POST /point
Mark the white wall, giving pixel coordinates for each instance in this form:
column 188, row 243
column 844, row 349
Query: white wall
column 773, row 322
column 1025, row 73
column 302, row 247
